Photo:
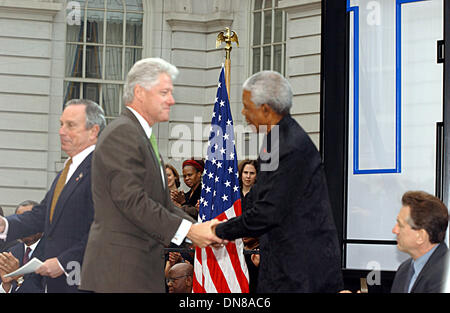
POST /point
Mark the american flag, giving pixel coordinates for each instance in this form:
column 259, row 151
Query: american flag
column 221, row 270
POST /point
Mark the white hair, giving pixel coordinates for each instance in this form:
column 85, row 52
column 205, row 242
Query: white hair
column 272, row 88
column 146, row 73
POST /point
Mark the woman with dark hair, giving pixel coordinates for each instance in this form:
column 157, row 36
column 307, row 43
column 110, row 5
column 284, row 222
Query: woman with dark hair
column 247, row 178
column 192, row 176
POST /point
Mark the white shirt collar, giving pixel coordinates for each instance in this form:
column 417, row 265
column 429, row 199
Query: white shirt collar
column 79, row 158
column 33, row 246
column 142, row 121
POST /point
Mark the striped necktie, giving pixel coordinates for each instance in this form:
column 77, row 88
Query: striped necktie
column 59, row 187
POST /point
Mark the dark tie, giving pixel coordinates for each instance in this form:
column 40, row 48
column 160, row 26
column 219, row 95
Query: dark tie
column 59, row 187
column 409, row 276
column 155, row 147
column 26, row 256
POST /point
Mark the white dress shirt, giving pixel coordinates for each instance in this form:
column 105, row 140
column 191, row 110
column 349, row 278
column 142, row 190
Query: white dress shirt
column 76, row 161
column 185, row 225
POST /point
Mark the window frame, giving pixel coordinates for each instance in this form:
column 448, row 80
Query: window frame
column 102, row 82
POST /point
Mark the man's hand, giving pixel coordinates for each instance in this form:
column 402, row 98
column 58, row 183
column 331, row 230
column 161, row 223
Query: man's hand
column 50, row 268
column 202, row 234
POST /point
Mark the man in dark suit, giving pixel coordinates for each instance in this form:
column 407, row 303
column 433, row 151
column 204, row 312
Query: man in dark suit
column 134, row 215
column 421, row 226
column 291, row 212
column 66, row 212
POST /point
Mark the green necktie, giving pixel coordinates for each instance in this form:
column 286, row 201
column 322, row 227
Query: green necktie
column 155, row 147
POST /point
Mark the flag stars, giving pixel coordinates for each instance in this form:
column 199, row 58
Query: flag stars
column 227, row 183
column 224, row 198
column 235, row 188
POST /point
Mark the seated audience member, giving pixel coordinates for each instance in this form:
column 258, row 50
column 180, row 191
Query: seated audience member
column 19, row 255
column 179, row 278
column 173, row 180
column 192, row 176
column 420, row 230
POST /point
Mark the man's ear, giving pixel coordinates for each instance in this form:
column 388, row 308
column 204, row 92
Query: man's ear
column 422, row 236
column 95, row 130
column 138, row 92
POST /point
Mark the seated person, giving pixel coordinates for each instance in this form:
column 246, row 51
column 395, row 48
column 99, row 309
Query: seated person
column 180, row 278
column 18, row 255
column 420, row 230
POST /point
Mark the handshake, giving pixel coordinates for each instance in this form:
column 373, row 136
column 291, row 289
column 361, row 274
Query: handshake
column 204, row 234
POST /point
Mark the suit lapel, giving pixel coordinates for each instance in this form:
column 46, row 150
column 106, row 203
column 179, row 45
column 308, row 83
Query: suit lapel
column 75, row 180
column 133, row 118
column 440, row 250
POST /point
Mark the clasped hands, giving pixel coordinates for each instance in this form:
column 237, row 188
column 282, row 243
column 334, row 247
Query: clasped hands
column 204, row 234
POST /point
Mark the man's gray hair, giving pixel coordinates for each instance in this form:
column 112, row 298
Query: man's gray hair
column 146, row 73
column 94, row 113
column 272, row 88
column 26, row 203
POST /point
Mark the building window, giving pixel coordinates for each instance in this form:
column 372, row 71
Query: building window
column 101, row 50
column 268, row 48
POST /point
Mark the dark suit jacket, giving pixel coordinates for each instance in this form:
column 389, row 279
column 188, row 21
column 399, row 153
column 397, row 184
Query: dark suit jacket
column 134, row 215
column 432, row 277
column 33, row 283
column 66, row 237
column 292, row 217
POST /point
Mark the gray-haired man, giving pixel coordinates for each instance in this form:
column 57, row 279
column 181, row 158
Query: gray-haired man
column 66, row 212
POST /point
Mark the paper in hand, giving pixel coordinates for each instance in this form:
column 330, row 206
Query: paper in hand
column 28, row 268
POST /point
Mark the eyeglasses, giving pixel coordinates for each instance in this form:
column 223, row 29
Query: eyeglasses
column 173, row 279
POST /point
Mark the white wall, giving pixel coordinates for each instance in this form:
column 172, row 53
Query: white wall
column 26, row 85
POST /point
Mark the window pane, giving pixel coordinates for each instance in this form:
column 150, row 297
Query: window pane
column 94, row 31
column 91, row 91
column 256, row 59
column 257, row 29
column 134, row 29
column 71, row 91
column 98, row 4
column 268, row 4
column 266, row 58
column 132, row 55
column 115, row 5
column 75, row 32
column 277, row 57
column 278, row 26
column 134, row 5
column 113, row 63
column 114, row 28
column 74, row 63
column 267, row 27
column 258, row 4
column 111, row 94
column 93, row 61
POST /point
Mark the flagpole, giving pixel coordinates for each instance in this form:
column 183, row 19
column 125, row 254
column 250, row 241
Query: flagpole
column 228, row 38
